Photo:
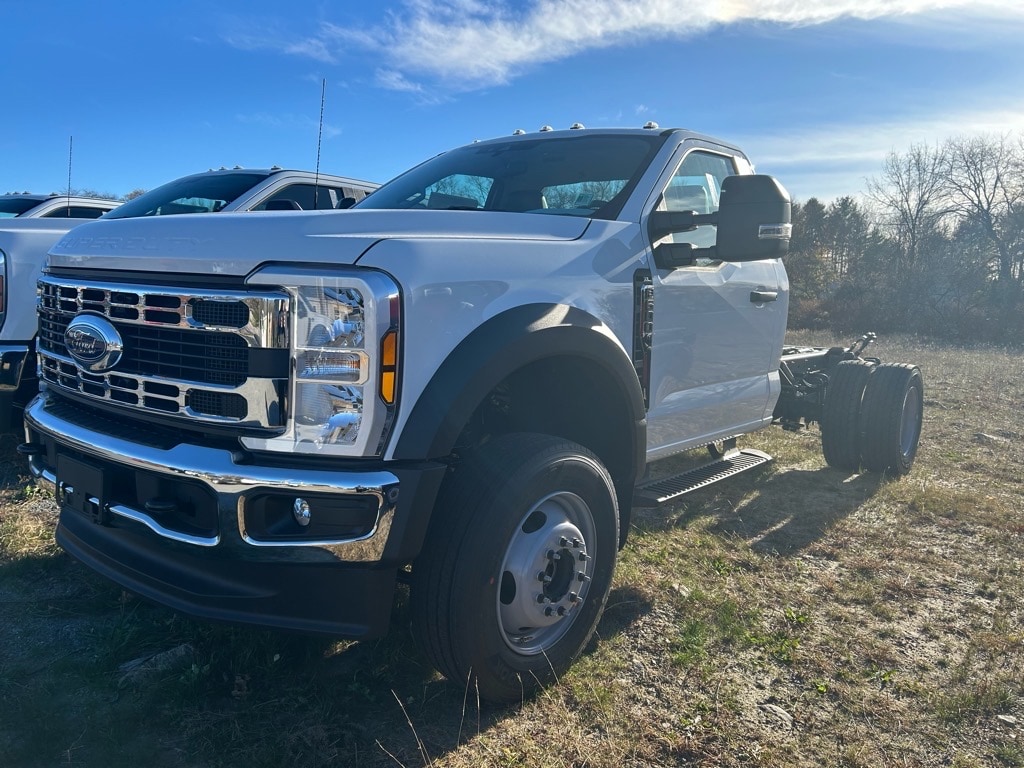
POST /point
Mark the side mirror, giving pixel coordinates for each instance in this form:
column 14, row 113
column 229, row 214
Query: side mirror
column 754, row 222
column 754, row 219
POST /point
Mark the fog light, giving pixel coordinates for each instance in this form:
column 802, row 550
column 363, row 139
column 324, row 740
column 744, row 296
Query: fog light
column 302, row 512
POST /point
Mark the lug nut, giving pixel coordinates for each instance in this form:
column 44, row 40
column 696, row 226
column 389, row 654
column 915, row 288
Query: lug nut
column 573, row 597
column 563, row 542
column 576, row 543
column 582, row 577
column 561, row 610
column 583, row 557
column 549, row 611
column 552, row 555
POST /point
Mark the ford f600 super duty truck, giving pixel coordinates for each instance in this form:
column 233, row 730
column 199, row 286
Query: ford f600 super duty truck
column 460, row 383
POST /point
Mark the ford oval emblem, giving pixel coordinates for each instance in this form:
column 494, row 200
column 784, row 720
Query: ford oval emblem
column 93, row 342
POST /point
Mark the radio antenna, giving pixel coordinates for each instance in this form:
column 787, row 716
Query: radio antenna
column 71, row 144
column 319, row 136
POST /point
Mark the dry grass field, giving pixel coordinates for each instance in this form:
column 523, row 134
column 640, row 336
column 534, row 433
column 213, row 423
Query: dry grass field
column 794, row 616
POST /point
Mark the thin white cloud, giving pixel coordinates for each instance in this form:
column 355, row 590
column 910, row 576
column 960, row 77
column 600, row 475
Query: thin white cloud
column 313, row 49
column 289, row 122
column 396, row 81
column 467, row 44
column 837, row 159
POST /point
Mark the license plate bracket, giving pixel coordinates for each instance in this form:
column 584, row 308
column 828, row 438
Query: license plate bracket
column 81, row 487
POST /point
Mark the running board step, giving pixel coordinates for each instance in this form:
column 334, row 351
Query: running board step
column 654, row 493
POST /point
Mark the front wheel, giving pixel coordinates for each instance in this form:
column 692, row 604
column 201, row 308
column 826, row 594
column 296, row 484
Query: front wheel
column 517, row 564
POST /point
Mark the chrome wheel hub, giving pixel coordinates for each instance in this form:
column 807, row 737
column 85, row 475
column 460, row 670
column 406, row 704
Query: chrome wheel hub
column 546, row 573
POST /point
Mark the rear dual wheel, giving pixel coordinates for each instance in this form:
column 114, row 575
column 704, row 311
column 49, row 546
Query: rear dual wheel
column 841, row 412
column 517, row 564
column 872, row 417
column 891, row 417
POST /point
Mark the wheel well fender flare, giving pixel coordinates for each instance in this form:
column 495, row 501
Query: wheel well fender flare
column 496, row 349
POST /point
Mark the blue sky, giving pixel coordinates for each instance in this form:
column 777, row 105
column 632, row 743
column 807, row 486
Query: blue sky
column 816, row 91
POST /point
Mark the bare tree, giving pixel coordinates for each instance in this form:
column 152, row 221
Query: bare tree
column 986, row 190
column 87, row 193
column 912, row 193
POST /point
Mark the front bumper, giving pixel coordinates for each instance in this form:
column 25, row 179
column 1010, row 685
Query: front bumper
column 210, row 531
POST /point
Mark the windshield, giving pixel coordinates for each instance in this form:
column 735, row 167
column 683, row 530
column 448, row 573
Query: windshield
column 573, row 176
column 15, row 206
column 203, row 193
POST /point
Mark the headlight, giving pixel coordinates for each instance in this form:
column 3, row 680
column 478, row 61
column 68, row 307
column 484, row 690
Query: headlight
column 342, row 330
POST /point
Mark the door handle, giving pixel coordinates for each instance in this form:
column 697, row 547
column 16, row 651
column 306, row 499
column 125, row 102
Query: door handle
column 760, row 297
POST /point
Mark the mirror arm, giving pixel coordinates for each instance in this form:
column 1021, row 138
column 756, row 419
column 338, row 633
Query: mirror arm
column 664, row 223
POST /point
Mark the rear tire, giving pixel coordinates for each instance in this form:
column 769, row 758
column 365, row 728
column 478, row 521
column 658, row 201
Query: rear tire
column 517, row 564
column 841, row 414
column 891, row 419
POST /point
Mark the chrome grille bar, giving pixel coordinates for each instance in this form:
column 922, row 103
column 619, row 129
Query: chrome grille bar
column 150, row 305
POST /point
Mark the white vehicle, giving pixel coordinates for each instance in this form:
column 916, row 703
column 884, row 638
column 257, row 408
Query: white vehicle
column 29, row 225
column 28, row 206
column 24, row 241
column 525, row 326
column 247, row 189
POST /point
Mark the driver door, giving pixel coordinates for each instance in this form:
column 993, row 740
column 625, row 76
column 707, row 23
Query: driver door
column 714, row 348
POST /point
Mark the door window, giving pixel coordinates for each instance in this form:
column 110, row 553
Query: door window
column 697, row 186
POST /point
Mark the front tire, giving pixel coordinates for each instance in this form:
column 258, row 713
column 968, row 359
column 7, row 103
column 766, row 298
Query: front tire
column 517, row 564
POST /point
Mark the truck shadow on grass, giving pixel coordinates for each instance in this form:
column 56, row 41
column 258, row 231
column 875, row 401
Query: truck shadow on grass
column 375, row 702
column 777, row 513
column 233, row 696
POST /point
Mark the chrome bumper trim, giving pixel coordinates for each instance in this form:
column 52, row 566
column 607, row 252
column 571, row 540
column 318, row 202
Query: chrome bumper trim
column 155, row 527
column 217, row 469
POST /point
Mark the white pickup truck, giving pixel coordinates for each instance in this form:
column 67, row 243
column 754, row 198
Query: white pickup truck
column 31, row 224
column 460, row 383
column 28, row 206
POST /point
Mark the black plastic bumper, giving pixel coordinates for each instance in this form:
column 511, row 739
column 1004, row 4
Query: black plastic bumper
column 321, row 598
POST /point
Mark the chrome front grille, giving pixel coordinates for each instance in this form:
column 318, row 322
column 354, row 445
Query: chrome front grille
column 212, row 356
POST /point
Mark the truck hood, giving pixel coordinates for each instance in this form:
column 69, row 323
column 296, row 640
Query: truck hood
column 237, row 243
column 26, row 241
column 55, row 226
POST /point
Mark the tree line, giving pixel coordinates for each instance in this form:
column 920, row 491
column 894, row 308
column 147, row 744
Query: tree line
column 936, row 246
